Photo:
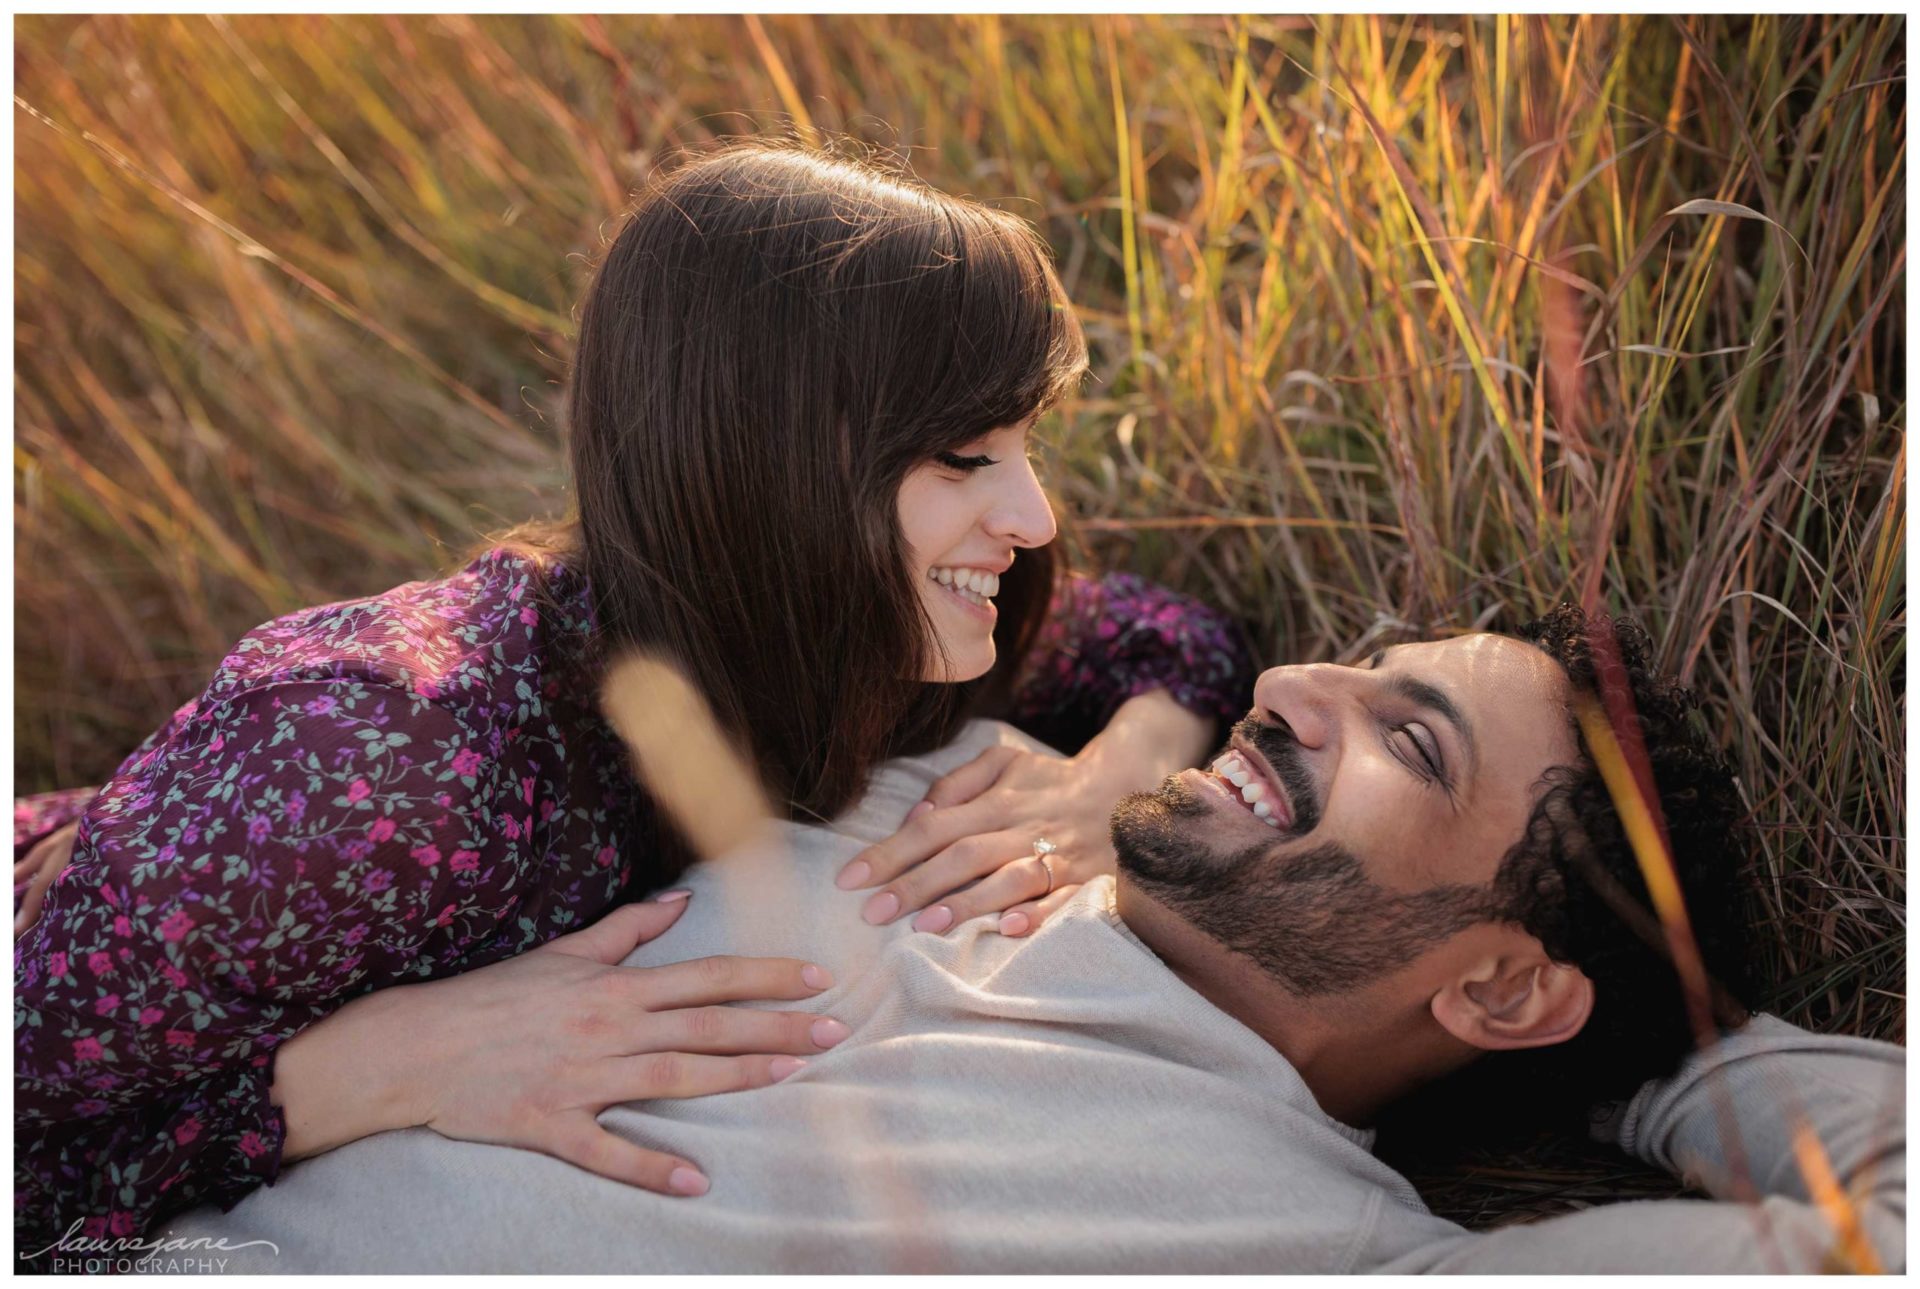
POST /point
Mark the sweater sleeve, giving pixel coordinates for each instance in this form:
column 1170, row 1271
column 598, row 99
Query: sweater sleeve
column 1113, row 638
column 274, row 854
column 1736, row 1120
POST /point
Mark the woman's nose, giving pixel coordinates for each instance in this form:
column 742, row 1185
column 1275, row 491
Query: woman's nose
column 1021, row 512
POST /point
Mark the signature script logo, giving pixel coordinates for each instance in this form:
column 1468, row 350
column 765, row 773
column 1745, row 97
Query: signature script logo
column 136, row 1248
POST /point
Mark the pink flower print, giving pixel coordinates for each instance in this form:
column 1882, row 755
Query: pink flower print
column 358, row 790
column 151, row 1015
column 356, row 934
column 546, row 810
column 465, row 762
column 465, row 861
column 57, row 964
column 95, row 1228
column 86, row 1110
column 167, row 852
column 511, row 827
column 322, row 705
column 604, row 857
column 446, row 916
column 251, row 1146
column 120, row 1224
column 526, row 789
column 296, row 807
column 187, row 1131
column 178, row 923
column 175, row 977
column 428, row 854
column 259, row 828
column 379, row 879
column 381, row 830
column 179, row 1038
column 528, row 617
column 107, row 1006
column 121, row 926
column 219, row 741
column 443, row 800
column 100, row 963
column 86, row 1049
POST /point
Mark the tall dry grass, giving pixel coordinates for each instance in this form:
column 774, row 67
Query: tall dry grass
column 1399, row 325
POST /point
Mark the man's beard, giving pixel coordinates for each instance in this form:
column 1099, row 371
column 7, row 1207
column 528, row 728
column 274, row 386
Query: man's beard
column 1312, row 919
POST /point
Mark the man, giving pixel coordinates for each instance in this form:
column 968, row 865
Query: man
column 1171, row 1074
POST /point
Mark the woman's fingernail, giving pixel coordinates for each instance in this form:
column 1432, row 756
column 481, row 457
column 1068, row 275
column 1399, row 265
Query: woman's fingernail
column 784, row 1066
column 672, row 897
column 937, row 918
column 1014, row 923
column 828, row 1031
column 816, row 977
column 881, row 908
column 853, row 876
column 919, row 810
column 687, row 1181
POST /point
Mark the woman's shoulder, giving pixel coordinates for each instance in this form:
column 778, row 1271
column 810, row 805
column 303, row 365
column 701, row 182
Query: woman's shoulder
column 496, row 627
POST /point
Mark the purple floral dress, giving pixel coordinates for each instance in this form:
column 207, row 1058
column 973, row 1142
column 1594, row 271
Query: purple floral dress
column 370, row 793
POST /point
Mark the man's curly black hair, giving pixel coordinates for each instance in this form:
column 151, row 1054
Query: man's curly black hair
column 1565, row 881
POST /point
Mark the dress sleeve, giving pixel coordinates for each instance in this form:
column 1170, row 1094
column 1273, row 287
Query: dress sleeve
column 1113, row 638
column 271, row 856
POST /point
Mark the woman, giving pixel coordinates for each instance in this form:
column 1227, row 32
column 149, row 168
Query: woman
column 798, row 421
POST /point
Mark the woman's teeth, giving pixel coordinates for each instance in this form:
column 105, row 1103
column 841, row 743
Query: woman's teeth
column 1234, row 770
column 974, row 585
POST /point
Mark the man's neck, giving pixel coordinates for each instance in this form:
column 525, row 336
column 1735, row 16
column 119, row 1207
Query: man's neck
column 1355, row 1054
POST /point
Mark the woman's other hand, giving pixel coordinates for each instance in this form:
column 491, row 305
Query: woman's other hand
column 527, row 1052
column 979, row 824
column 37, row 869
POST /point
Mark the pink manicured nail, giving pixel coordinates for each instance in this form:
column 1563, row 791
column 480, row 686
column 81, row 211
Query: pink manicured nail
column 827, row 1032
column 785, row 1066
column 672, row 897
column 687, row 1181
column 1014, row 924
column 881, row 908
column 816, row 977
column 919, row 810
column 854, row 876
column 937, row 918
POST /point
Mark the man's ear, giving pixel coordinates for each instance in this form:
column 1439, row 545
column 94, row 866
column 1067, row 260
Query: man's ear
column 1514, row 1001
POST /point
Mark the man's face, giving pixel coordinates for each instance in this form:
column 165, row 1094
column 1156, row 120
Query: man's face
column 1394, row 788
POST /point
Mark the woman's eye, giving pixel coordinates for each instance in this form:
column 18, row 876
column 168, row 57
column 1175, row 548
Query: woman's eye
column 965, row 465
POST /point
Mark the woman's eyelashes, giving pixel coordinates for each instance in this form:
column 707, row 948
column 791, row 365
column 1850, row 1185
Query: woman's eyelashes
column 965, row 465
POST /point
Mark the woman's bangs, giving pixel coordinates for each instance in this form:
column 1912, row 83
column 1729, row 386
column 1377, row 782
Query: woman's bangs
column 1017, row 347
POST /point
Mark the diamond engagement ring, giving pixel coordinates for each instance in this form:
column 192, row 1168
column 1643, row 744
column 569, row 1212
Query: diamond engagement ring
column 1041, row 849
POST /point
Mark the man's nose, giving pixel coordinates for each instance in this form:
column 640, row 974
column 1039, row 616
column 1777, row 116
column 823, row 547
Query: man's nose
column 1022, row 514
column 1304, row 697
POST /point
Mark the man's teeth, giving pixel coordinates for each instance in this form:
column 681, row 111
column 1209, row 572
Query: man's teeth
column 1234, row 770
column 974, row 585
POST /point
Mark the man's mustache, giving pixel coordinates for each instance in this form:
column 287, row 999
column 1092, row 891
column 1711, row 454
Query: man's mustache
column 1281, row 750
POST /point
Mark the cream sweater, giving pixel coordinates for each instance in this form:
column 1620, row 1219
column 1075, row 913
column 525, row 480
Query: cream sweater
column 1056, row 1103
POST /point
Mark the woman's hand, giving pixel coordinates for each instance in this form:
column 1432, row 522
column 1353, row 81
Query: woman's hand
column 41, row 864
column 981, row 822
column 527, row 1052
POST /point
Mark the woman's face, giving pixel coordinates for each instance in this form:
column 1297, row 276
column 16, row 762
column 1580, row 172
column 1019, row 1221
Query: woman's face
column 963, row 515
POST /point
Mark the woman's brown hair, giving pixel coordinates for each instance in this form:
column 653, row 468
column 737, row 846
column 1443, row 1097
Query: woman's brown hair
column 774, row 339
